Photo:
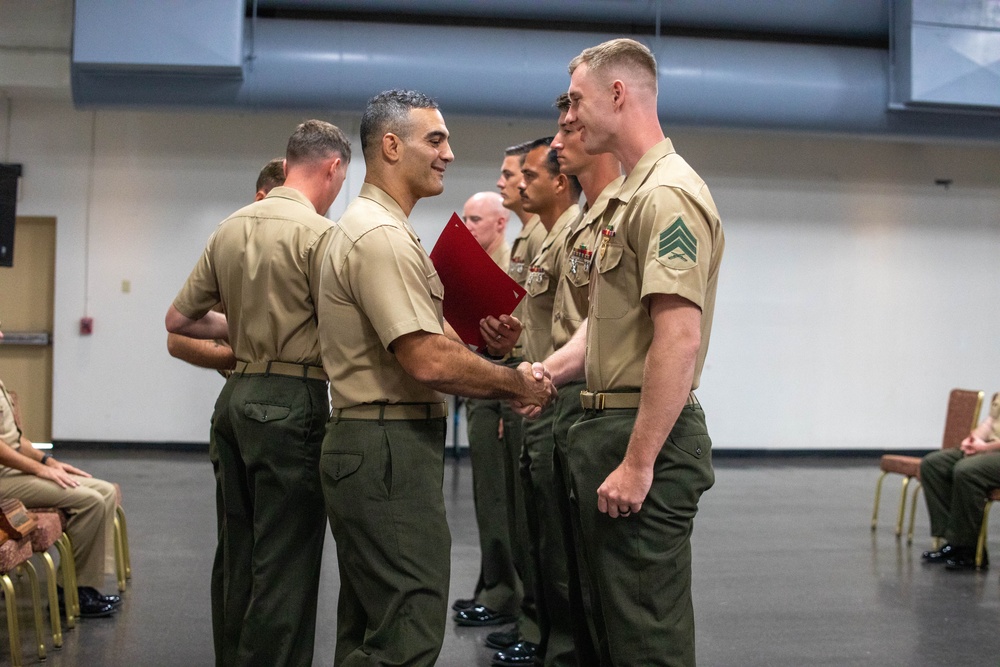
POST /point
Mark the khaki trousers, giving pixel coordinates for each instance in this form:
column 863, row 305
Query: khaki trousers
column 91, row 510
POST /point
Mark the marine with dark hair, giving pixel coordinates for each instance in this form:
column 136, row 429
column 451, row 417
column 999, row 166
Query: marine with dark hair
column 382, row 335
column 271, row 176
column 262, row 266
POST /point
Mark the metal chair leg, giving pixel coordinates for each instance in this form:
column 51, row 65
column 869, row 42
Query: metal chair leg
column 50, row 568
column 119, row 556
column 36, row 601
column 913, row 513
column 124, row 531
column 902, row 508
column 66, row 565
column 12, row 629
column 70, row 592
column 878, row 495
column 981, row 543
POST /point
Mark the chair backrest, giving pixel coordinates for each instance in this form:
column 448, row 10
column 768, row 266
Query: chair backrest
column 963, row 415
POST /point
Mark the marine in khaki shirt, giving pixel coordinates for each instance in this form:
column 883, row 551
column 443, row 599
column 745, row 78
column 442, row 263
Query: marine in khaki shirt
column 662, row 235
column 543, row 277
column 379, row 308
column 640, row 455
column 262, row 264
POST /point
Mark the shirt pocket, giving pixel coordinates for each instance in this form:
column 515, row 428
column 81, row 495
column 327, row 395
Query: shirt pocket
column 611, row 300
column 538, row 283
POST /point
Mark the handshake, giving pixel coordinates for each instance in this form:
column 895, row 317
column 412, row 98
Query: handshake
column 537, row 390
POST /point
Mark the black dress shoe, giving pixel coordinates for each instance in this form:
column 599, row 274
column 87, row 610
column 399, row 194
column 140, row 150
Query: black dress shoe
column 521, row 653
column 501, row 639
column 463, row 603
column 113, row 600
column 966, row 560
column 92, row 604
column 941, row 555
column 480, row 615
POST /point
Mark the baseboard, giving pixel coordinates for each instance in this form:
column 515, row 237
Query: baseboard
column 717, row 453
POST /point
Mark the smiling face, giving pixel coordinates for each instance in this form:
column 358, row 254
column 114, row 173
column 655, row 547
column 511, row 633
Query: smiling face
column 591, row 106
column 538, row 186
column 569, row 148
column 426, row 153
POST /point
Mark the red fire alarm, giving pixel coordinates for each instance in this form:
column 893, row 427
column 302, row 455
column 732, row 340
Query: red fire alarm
column 86, row 326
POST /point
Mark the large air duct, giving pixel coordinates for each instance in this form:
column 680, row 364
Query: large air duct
column 338, row 65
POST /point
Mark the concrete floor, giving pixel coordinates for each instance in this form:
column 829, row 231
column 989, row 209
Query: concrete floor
column 787, row 573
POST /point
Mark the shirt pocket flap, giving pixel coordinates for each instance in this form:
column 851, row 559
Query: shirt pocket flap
column 610, row 257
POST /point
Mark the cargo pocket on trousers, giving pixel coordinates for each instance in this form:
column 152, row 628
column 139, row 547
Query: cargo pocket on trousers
column 264, row 412
column 339, row 465
column 695, row 445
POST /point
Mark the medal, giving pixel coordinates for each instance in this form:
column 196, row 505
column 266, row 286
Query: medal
column 580, row 255
column 606, row 235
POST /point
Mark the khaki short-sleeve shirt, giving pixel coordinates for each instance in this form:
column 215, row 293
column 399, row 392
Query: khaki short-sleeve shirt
column 543, row 276
column 261, row 264
column 525, row 248
column 661, row 234
column 501, row 255
column 377, row 284
column 572, row 299
column 9, row 433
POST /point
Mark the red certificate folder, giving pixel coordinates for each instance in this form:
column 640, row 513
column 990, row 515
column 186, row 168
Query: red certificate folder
column 474, row 286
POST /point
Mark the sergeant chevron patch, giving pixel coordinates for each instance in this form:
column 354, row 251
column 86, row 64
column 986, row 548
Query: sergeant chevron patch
column 678, row 247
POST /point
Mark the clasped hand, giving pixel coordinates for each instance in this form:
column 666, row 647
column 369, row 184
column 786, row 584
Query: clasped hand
column 539, row 391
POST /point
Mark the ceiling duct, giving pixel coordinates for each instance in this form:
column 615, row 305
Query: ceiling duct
column 325, row 65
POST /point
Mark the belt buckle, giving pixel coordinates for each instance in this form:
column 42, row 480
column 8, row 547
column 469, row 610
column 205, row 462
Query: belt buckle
column 599, row 401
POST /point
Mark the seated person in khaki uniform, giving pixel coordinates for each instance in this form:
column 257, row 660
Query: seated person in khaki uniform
column 956, row 481
column 38, row 480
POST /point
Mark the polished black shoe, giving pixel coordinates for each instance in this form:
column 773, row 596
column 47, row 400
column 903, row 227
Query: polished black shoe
column 113, row 600
column 941, row 555
column 463, row 603
column 92, row 603
column 501, row 639
column 521, row 653
column 480, row 615
column 966, row 560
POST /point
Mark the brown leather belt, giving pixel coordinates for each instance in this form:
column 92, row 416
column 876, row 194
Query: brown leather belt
column 617, row 400
column 280, row 368
column 392, row 411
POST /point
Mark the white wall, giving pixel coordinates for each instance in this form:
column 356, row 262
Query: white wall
column 854, row 291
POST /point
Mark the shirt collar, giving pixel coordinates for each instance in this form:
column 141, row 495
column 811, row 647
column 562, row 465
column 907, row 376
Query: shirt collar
column 643, row 169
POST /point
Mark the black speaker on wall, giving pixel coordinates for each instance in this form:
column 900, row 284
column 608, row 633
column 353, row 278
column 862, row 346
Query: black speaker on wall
column 9, row 174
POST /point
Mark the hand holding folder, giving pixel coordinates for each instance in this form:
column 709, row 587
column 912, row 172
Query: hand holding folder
column 474, row 286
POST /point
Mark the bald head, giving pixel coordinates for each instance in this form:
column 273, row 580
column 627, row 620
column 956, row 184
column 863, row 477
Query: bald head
column 485, row 216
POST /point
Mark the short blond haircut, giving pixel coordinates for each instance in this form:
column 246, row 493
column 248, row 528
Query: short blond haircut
column 616, row 55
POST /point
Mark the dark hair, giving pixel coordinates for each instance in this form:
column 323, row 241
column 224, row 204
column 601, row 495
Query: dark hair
column 562, row 103
column 272, row 175
column 316, row 140
column 552, row 164
column 517, row 150
column 389, row 111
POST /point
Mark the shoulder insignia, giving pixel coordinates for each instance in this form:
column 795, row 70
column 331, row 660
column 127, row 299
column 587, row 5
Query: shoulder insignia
column 678, row 247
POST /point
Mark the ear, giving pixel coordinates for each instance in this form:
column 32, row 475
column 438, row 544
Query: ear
column 284, row 167
column 332, row 171
column 617, row 94
column 392, row 147
column 562, row 183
